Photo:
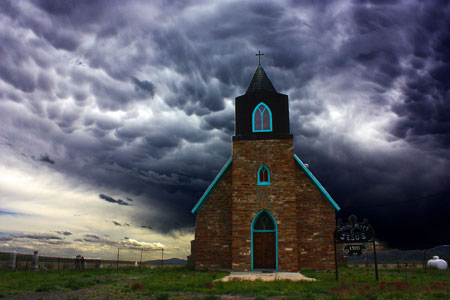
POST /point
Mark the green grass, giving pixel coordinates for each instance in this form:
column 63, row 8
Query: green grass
column 184, row 283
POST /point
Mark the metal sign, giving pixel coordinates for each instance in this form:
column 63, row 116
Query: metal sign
column 354, row 250
column 353, row 232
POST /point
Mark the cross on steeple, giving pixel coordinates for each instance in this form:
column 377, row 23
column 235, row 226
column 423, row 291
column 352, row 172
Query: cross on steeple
column 259, row 56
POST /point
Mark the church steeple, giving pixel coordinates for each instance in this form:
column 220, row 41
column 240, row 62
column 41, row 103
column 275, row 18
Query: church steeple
column 260, row 82
column 262, row 112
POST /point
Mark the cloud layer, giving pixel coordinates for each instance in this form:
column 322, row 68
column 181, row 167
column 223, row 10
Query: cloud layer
column 126, row 101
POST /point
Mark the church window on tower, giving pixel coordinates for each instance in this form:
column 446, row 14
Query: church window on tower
column 262, row 118
column 263, row 176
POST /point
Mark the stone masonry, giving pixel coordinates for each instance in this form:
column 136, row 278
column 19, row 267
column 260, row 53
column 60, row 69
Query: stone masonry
column 278, row 198
column 315, row 225
column 211, row 248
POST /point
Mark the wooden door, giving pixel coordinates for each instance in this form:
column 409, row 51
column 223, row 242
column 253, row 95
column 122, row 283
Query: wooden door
column 264, row 250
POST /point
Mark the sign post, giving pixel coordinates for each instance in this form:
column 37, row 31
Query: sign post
column 354, row 234
column 335, row 258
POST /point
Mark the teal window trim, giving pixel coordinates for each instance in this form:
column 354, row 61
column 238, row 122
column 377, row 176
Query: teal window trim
column 268, row 176
column 262, row 120
column 211, row 187
column 276, row 235
column 317, row 183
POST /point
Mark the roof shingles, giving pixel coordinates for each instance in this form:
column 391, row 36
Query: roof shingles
column 260, row 82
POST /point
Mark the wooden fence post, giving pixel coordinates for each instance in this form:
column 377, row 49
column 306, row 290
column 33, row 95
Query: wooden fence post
column 118, row 258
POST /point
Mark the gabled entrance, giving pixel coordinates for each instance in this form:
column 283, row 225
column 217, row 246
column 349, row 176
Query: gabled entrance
column 264, row 241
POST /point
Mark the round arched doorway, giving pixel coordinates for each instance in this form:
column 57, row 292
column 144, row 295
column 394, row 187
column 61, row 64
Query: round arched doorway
column 264, row 241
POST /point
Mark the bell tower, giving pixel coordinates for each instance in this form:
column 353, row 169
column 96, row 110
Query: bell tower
column 262, row 112
column 263, row 177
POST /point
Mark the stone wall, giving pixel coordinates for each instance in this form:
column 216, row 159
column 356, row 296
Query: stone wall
column 315, row 223
column 212, row 246
column 278, row 198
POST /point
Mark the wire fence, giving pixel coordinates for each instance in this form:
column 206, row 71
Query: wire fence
column 26, row 261
column 396, row 259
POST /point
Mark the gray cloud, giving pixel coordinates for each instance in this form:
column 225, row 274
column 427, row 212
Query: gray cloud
column 35, row 239
column 139, row 105
column 45, row 158
column 144, row 85
column 91, row 236
column 37, row 236
column 65, row 233
column 119, row 224
column 112, row 200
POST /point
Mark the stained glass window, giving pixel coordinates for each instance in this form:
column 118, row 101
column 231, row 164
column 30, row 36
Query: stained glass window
column 262, row 118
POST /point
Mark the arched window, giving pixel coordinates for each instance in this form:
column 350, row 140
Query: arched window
column 262, row 118
column 263, row 176
column 264, row 222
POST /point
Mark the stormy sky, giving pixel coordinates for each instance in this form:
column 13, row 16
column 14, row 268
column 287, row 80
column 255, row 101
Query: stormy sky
column 116, row 116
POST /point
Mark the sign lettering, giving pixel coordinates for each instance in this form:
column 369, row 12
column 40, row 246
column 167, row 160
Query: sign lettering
column 353, row 250
column 353, row 232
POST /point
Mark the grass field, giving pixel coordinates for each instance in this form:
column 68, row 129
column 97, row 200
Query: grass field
column 184, row 283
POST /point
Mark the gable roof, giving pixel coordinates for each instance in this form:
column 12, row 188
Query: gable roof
column 317, row 183
column 211, row 187
column 260, row 82
column 227, row 165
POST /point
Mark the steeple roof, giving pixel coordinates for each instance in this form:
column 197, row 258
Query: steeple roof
column 260, row 82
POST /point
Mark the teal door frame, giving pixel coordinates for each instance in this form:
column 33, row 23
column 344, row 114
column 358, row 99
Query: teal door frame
column 276, row 235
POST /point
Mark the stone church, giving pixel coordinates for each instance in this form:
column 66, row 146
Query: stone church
column 265, row 210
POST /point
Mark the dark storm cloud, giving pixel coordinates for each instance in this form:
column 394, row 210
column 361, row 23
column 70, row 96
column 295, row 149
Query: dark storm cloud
column 222, row 121
column 79, row 78
column 424, row 111
column 112, row 200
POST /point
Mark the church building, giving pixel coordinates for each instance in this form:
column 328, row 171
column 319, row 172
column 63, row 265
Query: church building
column 265, row 210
